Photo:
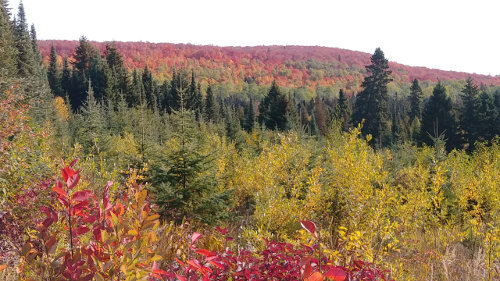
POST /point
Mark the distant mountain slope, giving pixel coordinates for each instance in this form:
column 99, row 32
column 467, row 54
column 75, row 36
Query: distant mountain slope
column 290, row 65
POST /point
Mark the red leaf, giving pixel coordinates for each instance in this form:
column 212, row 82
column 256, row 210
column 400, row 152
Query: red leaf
column 310, row 227
column 205, row 252
column 73, row 181
column 317, row 276
column 182, row 278
column 73, row 162
column 180, row 262
column 223, row 231
column 82, row 230
column 67, row 172
column 160, row 271
column 81, row 195
column 195, row 237
column 58, row 189
column 336, row 273
column 89, row 219
column 194, row 263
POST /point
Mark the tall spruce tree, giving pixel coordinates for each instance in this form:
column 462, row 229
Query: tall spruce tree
column 194, row 99
column 273, row 110
column 372, row 102
column 249, row 121
column 65, row 78
column 25, row 57
column 438, row 120
column 487, row 117
column 210, row 107
column 342, row 111
column 183, row 182
column 8, row 53
column 469, row 112
column 53, row 73
column 416, row 97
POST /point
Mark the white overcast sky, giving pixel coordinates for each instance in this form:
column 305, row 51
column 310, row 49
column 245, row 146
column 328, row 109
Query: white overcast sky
column 451, row 35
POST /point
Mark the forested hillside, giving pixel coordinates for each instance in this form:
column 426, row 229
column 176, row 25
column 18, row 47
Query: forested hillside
column 291, row 66
column 139, row 161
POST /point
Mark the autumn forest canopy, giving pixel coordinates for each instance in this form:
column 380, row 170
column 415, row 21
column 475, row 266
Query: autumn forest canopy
column 142, row 161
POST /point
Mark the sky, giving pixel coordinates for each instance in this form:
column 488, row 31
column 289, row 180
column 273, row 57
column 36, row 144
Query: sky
column 459, row 35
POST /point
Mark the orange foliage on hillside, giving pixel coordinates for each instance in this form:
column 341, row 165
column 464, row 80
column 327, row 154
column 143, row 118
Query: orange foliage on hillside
column 293, row 66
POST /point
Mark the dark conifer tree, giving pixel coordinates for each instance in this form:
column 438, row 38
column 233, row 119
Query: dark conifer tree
column 53, row 73
column 26, row 57
column 273, row 110
column 469, row 112
column 149, row 87
column 119, row 73
column 320, row 116
column 194, row 98
column 487, row 117
column 8, row 53
column 210, row 107
column 416, row 97
column 372, row 103
column 65, row 78
column 438, row 120
column 342, row 110
column 249, row 121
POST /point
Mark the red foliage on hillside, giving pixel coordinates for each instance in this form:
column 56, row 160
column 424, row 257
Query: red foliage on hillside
column 289, row 65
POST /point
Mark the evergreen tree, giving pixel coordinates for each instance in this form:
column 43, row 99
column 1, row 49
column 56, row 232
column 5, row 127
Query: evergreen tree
column 438, row 120
column 416, row 96
column 249, row 121
column 320, row 116
column 372, row 102
column 37, row 55
column 26, row 57
column 149, row 87
column 342, row 110
column 273, row 109
column 53, row 73
column 183, row 182
column 497, row 105
column 65, row 78
column 119, row 75
column 102, row 82
column 210, row 108
column 487, row 117
column 194, row 98
column 469, row 112
column 8, row 53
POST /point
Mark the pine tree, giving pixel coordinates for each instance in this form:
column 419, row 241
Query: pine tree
column 342, row 111
column 194, row 98
column 416, row 96
column 119, row 74
column 37, row 55
column 8, row 53
column 372, row 102
column 210, row 108
column 149, row 87
column 320, row 115
column 496, row 97
column 469, row 112
column 53, row 73
column 487, row 117
column 249, row 121
column 273, row 109
column 438, row 120
column 183, row 182
column 65, row 78
column 26, row 57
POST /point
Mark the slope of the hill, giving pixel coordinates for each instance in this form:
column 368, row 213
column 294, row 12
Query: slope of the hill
column 294, row 66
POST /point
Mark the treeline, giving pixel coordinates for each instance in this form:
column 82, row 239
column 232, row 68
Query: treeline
column 389, row 117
